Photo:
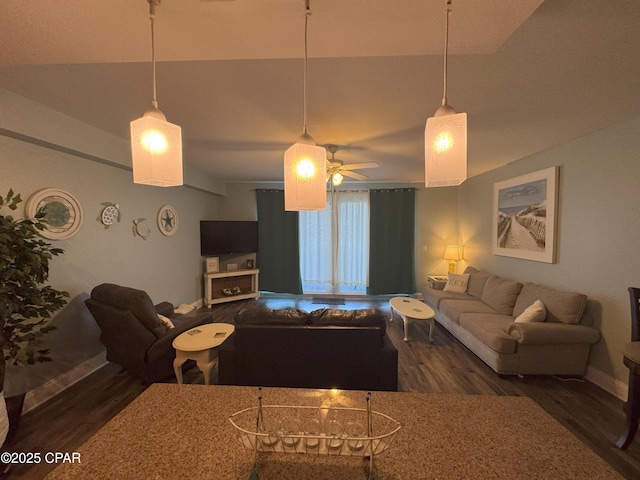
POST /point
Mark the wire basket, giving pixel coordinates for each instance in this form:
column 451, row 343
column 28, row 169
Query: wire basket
column 314, row 430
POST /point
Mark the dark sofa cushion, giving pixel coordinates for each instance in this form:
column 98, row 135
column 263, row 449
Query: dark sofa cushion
column 136, row 301
column 269, row 316
column 333, row 317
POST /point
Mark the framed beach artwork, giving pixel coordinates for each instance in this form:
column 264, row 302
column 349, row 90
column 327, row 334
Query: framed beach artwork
column 524, row 216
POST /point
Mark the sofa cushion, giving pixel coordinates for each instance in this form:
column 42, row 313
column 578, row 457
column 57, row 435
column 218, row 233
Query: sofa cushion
column 477, row 281
column 453, row 308
column 136, row 301
column 501, row 294
column 271, row 316
column 433, row 297
column 457, row 282
column 565, row 307
column 333, row 317
column 536, row 312
column 490, row 329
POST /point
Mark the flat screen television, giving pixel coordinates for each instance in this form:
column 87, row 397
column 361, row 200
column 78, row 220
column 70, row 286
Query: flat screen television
column 218, row 237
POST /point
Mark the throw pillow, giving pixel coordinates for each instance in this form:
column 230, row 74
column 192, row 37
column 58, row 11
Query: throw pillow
column 166, row 322
column 536, row 312
column 457, row 282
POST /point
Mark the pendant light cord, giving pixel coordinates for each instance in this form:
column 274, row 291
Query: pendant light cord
column 152, row 15
column 446, row 49
column 307, row 14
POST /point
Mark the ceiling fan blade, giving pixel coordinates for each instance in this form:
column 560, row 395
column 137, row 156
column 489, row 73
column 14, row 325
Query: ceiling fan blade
column 356, row 166
column 355, row 175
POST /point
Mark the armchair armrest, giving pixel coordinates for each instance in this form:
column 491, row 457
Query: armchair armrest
column 541, row 333
column 164, row 308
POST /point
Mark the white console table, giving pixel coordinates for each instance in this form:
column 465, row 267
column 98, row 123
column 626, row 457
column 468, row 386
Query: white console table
column 215, row 283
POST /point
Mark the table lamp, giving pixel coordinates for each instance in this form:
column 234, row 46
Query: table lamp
column 452, row 253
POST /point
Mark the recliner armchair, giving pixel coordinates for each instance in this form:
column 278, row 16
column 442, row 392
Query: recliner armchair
column 132, row 332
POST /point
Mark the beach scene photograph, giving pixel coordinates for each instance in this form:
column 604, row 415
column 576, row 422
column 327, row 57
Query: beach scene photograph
column 522, row 216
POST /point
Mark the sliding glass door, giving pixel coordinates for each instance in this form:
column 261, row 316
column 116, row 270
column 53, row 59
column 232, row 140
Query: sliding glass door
column 334, row 245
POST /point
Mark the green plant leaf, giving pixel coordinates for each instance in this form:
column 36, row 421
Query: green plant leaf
column 26, row 300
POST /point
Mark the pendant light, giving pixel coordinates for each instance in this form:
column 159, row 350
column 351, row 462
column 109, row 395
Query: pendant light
column 305, row 162
column 156, row 145
column 446, row 136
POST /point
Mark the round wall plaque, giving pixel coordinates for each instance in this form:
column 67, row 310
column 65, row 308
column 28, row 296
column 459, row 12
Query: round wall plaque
column 62, row 213
column 168, row 220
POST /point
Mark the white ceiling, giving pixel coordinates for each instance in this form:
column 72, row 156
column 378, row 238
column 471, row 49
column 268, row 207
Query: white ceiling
column 530, row 74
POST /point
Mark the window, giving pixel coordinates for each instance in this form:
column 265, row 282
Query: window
column 334, row 245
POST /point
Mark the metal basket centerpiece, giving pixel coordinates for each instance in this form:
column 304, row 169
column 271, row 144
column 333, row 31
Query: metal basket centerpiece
column 315, row 430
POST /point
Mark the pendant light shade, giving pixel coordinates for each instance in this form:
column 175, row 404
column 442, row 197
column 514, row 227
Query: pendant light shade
column 445, row 137
column 304, row 175
column 156, row 150
column 156, row 145
column 305, row 163
column 446, row 149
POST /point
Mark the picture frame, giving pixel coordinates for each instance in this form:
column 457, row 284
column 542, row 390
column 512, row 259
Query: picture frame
column 62, row 213
column 524, row 216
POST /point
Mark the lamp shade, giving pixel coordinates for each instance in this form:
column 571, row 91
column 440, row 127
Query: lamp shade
column 156, row 150
column 446, row 150
column 452, row 252
column 305, row 166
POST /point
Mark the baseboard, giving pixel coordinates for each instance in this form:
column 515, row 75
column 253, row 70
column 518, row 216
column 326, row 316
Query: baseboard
column 56, row 385
column 606, row 382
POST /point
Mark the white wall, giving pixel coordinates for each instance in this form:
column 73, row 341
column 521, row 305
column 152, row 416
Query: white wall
column 168, row 268
column 598, row 231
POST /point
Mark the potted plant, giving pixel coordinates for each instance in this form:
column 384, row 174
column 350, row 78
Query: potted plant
column 26, row 302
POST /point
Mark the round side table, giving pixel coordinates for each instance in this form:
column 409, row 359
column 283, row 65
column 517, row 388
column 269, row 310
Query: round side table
column 200, row 344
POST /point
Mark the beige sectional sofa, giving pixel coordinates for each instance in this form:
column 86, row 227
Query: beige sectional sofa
column 485, row 319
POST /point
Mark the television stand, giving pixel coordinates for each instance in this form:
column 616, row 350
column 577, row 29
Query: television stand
column 221, row 287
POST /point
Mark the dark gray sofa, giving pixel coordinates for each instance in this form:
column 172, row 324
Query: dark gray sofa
column 327, row 348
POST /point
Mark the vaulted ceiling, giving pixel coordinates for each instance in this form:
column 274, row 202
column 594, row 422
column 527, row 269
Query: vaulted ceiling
column 530, row 74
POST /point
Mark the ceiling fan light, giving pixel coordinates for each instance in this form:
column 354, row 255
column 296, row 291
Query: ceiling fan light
column 304, row 177
column 336, row 179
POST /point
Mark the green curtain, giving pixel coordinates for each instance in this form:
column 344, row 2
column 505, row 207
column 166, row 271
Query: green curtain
column 278, row 250
column 391, row 243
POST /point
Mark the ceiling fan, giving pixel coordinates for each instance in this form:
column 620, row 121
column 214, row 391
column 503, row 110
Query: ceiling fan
column 336, row 169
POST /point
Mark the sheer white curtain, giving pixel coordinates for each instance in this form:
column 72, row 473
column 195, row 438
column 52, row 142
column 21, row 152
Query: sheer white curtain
column 315, row 250
column 334, row 245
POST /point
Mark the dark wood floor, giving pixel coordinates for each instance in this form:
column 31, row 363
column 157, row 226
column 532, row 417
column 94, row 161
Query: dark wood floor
column 446, row 366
